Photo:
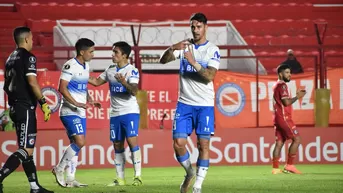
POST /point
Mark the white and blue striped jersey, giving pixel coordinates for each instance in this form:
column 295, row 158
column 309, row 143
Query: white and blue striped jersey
column 192, row 90
column 122, row 102
column 77, row 75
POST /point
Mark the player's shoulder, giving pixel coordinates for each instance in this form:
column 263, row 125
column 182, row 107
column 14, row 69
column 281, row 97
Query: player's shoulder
column 211, row 46
column 133, row 70
column 26, row 55
column 69, row 64
column 281, row 85
column 112, row 67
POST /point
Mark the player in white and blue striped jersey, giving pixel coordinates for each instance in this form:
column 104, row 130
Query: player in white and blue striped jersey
column 199, row 62
column 73, row 87
column 123, row 78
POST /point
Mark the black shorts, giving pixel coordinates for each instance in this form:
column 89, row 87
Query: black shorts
column 24, row 118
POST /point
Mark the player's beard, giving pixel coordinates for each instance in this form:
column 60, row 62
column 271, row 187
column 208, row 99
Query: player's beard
column 286, row 79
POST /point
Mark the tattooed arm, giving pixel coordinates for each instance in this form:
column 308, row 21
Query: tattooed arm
column 131, row 88
column 207, row 73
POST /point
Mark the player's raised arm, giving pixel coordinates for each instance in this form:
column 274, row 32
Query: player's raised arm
column 131, row 87
column 208, row 73
column 286, row 101
column 173, row 51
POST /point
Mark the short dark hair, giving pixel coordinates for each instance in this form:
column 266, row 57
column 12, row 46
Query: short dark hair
column 18, row 32
column 124, row 47
column 83, row 44
column 200, row 17
column 282, row 67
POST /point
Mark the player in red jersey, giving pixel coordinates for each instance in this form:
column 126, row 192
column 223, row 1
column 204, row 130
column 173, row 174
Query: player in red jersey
column 284, row 127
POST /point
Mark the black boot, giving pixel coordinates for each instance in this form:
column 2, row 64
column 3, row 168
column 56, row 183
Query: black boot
column 40, row 190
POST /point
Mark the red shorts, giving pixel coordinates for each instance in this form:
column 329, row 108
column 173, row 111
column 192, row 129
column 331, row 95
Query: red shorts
column 285, row 130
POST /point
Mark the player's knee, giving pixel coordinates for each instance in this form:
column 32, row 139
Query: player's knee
column 180, row 143
column 80, row 143
column 203, row 145
column 279, row 144
column 132, row 141
column 118, row 145
column 22, row 154
column 29, row 151
column 297, row 139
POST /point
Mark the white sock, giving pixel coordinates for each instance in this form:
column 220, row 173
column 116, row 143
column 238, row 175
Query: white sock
column 186, row 163
column 136, row 160
column 119, row 162
column 201, row 174
column 71, row 169
column 34, row 186
column 69, row 153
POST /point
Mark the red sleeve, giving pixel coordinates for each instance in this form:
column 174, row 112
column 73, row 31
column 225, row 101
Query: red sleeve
column 282, row 90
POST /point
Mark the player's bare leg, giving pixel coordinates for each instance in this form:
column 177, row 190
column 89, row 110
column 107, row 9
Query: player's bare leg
column 202, row 163
column 69, row 153
column 276, row 156
column 292, row 152
column 136, row 157
column 119, row 163
column 23, row 155
column 182, row 156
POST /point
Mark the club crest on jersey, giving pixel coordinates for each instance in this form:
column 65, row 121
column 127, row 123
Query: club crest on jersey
column 32, row 141
column 284, row 87
column 53, row 98
column 230, row 99
column 32, row 59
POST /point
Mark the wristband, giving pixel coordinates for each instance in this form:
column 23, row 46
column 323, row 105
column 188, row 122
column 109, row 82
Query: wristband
column 42, row 101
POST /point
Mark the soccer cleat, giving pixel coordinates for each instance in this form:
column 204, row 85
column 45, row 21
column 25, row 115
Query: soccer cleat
column 41, row 190
column 137, row 181
column 291, row 169
column 276, row 171
column 59, row 176
column 196, row 190
column 187, row 183
column 75, row 184
column 118, row 182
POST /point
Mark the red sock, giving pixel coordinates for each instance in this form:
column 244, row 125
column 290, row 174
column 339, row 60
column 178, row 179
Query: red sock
column 276, row 162
column 290, row 159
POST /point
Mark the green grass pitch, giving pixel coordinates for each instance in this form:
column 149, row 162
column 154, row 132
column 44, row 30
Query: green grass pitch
column 228, row 179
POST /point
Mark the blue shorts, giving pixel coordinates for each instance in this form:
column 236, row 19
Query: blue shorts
column 124, row 126
column 75, row 125
column 188, row 117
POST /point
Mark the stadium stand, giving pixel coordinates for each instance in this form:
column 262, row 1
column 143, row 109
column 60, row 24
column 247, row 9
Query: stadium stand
column 268, row 22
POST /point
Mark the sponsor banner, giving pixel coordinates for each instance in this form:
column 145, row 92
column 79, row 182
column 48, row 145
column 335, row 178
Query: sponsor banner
column 162, row 97
column 236, row 99
column 243, row 146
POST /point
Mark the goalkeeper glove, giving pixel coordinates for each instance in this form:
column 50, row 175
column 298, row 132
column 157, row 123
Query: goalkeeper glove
column 45, row 108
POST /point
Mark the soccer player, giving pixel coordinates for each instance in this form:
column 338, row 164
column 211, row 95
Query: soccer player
column 123, row 81
column 23, row 91
column 199, row 63
column 73, row 87
column 284, row 127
